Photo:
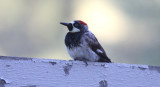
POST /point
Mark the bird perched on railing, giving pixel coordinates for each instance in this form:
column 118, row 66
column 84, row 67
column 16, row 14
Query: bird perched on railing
column 82, row 45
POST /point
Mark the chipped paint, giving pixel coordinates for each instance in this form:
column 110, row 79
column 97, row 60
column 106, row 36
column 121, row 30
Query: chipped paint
column 2, row 82
column 53, row 63
column 67, row 68
column 8, row 65
column 143, row 67
column 155, row 68
column 103, row 83
column 133, row 67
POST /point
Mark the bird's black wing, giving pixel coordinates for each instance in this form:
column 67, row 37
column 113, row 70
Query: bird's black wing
column 96, row 47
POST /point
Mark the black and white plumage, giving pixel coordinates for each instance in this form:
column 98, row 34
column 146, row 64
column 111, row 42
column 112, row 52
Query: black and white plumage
column 82, row 45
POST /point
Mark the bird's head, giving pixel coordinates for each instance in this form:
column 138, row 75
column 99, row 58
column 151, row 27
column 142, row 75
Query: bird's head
column 76, row 26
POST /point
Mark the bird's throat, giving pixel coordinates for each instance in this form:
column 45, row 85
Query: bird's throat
column 72, row 39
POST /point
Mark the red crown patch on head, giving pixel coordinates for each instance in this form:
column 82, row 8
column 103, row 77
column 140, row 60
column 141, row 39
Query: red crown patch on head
column 82, row 22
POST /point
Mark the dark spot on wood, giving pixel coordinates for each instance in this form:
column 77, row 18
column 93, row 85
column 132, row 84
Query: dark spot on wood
column 2, row 82
column 14, row 58
column 8, row 65
column 133, row 67
column 53, row 63
column 103, row 83
column 67, row 68
column 156, row 68
column 142, row 68
column 29, row 86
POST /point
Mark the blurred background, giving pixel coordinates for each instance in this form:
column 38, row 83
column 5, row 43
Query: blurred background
column 128, row 30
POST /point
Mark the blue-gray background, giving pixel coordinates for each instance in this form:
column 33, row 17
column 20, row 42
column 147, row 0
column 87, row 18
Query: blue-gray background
column 129, row 30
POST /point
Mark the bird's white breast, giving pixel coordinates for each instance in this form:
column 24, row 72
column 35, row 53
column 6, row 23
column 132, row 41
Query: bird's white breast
column 82, row 52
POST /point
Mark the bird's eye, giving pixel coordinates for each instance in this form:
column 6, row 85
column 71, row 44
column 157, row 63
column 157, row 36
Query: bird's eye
column 76, row 25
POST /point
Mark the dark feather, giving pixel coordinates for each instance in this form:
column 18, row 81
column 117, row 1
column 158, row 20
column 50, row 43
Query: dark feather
column 72, row 39
column 94, row 45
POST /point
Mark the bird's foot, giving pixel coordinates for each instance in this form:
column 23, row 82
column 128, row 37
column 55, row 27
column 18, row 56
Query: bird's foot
column 82, row 59
column 86, row 64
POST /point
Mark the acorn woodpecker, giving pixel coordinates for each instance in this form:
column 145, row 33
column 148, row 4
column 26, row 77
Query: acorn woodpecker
column 82, row 45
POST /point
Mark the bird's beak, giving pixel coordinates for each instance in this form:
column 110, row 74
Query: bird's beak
column 69, row 25
column 65, row 24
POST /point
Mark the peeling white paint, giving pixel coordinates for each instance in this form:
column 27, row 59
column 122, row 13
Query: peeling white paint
column 30, row 72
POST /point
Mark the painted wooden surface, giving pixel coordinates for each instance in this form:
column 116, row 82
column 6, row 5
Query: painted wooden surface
column 33, row 72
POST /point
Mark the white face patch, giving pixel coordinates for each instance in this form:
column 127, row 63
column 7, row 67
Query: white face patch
column 99, row 51
column 74, row 30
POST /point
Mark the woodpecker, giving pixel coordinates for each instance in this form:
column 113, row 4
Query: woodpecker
column 82, row 44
